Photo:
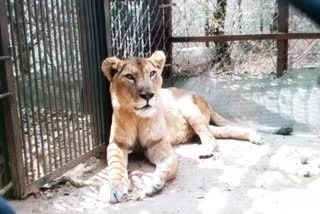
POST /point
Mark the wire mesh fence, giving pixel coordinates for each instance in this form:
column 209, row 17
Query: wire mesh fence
column 139, row 27
column 202, row 18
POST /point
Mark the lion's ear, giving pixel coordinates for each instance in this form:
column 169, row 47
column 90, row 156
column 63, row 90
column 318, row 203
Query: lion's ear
column 159, row 59
column 110, row 66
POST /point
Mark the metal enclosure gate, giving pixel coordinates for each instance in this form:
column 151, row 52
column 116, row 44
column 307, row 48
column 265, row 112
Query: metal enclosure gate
column 57, row 111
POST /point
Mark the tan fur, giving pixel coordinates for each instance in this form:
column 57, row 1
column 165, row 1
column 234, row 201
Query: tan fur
column 174, row 117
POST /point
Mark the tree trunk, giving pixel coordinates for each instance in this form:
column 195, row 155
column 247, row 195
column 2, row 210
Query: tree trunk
column 215, row 26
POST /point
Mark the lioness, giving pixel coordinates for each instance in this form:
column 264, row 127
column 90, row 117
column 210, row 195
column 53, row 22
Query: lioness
column 154, row 118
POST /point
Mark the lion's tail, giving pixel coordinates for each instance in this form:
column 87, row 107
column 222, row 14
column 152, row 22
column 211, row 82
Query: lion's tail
column 218, row 120
column 276, row 130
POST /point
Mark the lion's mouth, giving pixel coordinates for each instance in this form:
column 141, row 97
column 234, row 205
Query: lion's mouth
column 147, row 106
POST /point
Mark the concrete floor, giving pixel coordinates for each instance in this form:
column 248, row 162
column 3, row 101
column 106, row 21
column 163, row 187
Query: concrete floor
column 247, row 178
column 281, row 176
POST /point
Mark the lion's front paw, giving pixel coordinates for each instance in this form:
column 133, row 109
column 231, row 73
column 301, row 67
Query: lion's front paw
column 115, row 191
column 209, row 151
column 152, row 184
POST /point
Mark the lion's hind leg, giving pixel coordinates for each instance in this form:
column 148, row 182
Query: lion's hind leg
column 235, row 132
column 197, row 112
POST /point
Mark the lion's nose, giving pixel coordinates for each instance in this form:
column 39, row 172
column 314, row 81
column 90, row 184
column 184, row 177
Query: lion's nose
column 146, row 96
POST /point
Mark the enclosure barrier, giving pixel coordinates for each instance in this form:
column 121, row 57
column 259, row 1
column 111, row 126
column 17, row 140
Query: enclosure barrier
column 60, row 113
column 247, row 37
column 54, row 99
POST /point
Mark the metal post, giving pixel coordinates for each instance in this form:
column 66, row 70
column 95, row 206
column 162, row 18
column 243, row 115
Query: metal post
column 282, row 45
column 167, row 21
column 157, row 41
column 13, row 135
column 108, row 27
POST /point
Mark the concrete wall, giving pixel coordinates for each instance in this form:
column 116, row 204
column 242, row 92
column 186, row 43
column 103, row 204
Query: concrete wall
column 293, row 99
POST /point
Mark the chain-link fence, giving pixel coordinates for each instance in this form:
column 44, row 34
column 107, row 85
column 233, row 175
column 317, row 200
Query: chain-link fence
column 194, row 35
column 139, row 27
column 204, row 18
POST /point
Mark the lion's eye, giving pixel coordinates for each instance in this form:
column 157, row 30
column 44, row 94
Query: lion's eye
column 152, row 73
column 129, row 76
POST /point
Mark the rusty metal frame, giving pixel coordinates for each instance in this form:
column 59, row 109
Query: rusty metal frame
column 224, row 38
column 282, row 45
column 86, row 49
column 34, row 187
column 8, row 100
column 281, row 37
column 93, row 49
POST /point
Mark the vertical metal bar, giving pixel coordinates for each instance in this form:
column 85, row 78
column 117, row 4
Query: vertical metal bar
column 145, row 7
column 108, row 37
column 38, row 30
column 102, row 46
column 72, row 79
column 10, row 107
column 74, row 71
column 129, row 30
column 46, row 52
column 137, row 29
column 125, row 28
column 95, row 83
column 78, row 70
column 125, row 25
column 140, row 28
column 85, row 66
column 282, row 45
column 88, row 74
column 156, row 29
column 56, row 49
column 93, row 53
column 35, row 132
column 136, row 32
column 17, row 13
column 167, row 35
column 66, row 158
column 54, row 92
column 63, row 7
column 90, row 38
column 122, row 31
column 118, row 28
column 19, row 96
column 108, row 27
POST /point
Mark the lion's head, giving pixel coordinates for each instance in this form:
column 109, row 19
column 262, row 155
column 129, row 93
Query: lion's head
column 135, row 83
